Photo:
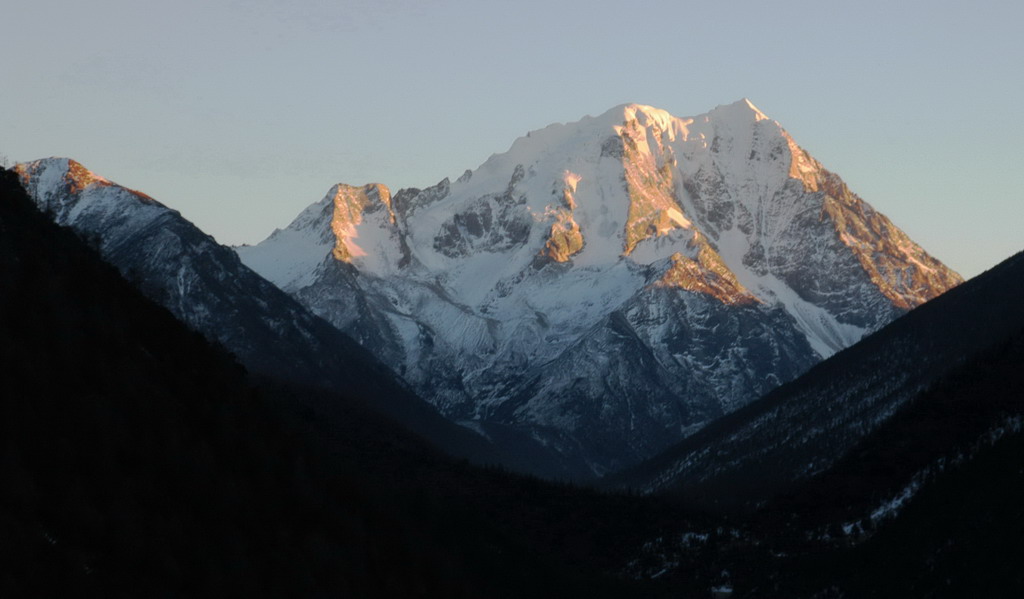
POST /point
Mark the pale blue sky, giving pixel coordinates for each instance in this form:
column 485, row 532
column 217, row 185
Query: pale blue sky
column 241, row 113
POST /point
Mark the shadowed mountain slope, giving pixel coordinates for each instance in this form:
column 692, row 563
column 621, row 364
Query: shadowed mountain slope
column 942, row 482
column 206, row 286
column 803, row 428
column 138, row 460
column 926, row 505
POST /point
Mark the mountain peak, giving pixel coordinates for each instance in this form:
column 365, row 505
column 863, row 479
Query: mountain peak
column 644, row 114
column 71, row 173
column 351, row 204
column 681, row 243
column 742, row 109
column 746, row 102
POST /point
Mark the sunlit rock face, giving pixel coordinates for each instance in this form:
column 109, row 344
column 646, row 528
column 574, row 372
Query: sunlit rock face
column 608, row 285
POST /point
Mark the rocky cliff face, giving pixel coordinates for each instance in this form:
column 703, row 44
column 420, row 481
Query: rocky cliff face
column 608, row 285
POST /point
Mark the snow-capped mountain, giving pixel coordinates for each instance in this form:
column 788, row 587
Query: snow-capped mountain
column 609, row 285
column 206, row 286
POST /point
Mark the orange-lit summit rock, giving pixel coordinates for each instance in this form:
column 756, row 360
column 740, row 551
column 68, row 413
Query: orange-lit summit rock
column 350, row 206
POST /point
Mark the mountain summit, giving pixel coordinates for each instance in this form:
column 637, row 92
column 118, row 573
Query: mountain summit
column 608, row 285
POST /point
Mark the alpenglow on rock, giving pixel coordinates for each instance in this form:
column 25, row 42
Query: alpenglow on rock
column 609, row 285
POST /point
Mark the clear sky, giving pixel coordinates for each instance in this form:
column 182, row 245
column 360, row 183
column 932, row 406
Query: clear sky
column 240, row 113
